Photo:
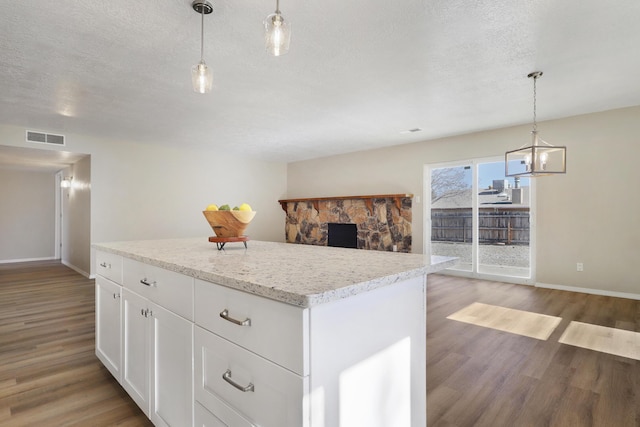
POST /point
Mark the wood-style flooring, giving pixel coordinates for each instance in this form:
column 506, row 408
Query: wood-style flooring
column 49, row 374
column 478, row 376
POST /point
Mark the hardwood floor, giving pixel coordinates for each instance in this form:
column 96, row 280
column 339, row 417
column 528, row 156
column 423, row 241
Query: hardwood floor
column 478, row 376
column 49, row 374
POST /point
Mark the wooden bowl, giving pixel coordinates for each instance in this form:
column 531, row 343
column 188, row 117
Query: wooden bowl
column 229, row 223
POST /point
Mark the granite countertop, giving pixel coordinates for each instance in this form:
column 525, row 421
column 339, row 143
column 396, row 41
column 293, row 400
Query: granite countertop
column 301, row 275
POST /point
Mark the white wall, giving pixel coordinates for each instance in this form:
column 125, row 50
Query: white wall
column 76, row 207
column 589, row 215
column 26, row 215
column 143, row 191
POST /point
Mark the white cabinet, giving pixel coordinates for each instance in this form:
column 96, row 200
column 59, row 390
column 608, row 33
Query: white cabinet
column 257, row 388
column 194, row 352
column 135, row 348
column 171, row 368
column 225, row 417
column 108, row 314
column 351, row 362
column 272, row 329
column 171, row 290
column 144, row 335
column 158, row 361
column 109, row 266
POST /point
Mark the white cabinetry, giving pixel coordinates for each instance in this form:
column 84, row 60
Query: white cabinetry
column 171, row 368
column 351, row 362
column 136, row 343
column 225, row 417
column 158, row 342
column 146, row 341
column 257, row 388
column 199, row 353
column 108, row 315
column 108, row 311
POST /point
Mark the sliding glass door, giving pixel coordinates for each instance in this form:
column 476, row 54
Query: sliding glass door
column 477, row 214
column 452, row 221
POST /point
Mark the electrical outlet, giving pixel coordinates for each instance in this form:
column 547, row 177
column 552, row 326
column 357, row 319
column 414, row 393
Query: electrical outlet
column 395, row 248
column 580, row 266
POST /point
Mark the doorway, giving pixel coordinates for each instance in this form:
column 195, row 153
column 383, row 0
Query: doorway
column 475, row 213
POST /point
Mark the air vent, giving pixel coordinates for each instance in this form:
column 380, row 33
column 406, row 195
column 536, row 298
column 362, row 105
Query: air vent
column 45, row 138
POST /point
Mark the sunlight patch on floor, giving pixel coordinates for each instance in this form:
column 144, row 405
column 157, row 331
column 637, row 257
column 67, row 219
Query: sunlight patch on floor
column 619, row 342
column 533, row 325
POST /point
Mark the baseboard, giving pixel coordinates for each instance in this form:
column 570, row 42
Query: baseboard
column 9, row 261
column 490, row 277
column 589, row 291
column 76, row 269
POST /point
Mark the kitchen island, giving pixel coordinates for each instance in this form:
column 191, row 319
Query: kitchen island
column 274, row 335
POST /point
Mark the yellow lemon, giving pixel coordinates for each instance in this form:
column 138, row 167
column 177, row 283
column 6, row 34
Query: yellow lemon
column 212, row 208
column 245, row 207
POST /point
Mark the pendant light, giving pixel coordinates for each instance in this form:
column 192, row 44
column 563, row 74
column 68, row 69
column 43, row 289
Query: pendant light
column 201, row 75
column 277, row 33
column 540, row 158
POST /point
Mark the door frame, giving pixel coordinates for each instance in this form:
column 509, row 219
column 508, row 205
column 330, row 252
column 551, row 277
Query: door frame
column 58, row 215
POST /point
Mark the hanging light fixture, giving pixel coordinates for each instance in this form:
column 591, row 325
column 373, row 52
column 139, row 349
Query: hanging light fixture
column 540, row 158
column 277, row 33
column 201, row 75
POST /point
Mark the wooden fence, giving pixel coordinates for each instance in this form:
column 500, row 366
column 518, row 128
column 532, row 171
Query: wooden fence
column 455, row 225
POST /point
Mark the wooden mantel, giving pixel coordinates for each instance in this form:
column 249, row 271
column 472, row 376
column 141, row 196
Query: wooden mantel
column 368, row 200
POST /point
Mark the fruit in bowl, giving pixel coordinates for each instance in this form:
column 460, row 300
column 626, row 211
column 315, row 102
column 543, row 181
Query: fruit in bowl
column 229, row 222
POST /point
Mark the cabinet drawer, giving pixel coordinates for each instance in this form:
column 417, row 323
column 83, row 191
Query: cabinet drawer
column 109, row 265
column 274, row 330
column 171, row 290
column 272, row 395
column 224, row 417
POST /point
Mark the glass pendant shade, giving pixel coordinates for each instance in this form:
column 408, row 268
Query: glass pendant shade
column 277, row 34
column 201, row 77
column 538, row 159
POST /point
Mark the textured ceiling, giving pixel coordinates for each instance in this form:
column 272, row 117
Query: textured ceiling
column 358, row 73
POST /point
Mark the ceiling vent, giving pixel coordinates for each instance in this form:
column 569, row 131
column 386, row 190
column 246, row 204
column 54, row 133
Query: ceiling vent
column 45, row 138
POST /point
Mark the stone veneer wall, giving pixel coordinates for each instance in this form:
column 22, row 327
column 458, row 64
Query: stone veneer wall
column 379, row 228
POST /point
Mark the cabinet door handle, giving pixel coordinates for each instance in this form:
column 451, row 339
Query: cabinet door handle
column 146, row 282
column 227, row 377
column 225, row 315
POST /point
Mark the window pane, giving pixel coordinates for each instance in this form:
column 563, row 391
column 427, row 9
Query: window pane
column 503, row 222
column 451, row 215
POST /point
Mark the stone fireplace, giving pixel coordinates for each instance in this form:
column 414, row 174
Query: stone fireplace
column 382, row 222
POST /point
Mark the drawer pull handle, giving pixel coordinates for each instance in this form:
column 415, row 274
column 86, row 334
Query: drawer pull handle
column 225, row 315
column 146, row 282
column 105, row 265
column 227, row 377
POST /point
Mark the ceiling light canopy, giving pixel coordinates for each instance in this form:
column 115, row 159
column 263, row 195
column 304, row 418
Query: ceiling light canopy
column 201, row 75
column 277, row 33
column 540, row 158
